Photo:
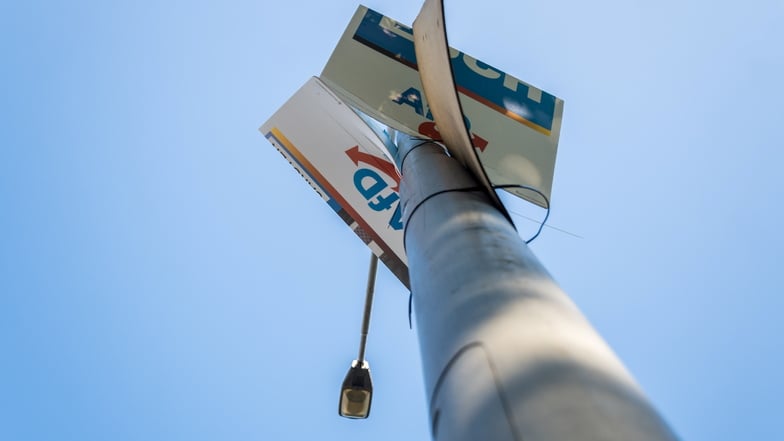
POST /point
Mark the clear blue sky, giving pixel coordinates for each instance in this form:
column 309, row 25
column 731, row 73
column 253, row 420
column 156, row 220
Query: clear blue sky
column 165, row 274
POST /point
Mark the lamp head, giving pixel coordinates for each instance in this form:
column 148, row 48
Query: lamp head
column 356, row 392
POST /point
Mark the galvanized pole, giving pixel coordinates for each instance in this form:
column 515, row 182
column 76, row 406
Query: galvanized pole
column 506, row 354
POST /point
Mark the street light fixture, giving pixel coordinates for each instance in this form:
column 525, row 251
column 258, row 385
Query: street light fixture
column 356, row 393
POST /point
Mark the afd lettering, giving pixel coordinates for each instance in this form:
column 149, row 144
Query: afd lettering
column 490, row 86
column 413, row 97
column 374, row 188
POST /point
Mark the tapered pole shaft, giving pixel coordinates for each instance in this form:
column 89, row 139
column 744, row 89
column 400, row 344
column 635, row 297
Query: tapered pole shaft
column 506, row 354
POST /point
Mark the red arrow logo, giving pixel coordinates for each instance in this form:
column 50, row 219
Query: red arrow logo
column 379, row 163
column 430, row 130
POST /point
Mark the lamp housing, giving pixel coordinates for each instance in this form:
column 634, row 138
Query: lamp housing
column 356, row 393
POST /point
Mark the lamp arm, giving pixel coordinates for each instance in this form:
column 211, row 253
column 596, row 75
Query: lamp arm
column 368, row 306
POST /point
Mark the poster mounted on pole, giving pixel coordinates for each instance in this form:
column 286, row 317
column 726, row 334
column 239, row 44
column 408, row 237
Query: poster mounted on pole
column 513, row 125
column 343, row 159
column 438, row 83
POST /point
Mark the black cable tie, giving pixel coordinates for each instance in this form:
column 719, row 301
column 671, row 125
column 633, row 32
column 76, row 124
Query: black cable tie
column 546, row 200
column 410, row 307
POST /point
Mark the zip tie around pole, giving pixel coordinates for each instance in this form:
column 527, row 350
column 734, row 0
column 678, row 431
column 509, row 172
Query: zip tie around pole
column 547, row 204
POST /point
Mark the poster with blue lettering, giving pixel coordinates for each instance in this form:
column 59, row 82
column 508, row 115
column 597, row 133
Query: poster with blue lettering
column 343, row 159
column 514, row 126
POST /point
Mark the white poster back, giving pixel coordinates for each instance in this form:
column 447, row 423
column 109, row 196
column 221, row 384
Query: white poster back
column 514, row 125
column 343, row 160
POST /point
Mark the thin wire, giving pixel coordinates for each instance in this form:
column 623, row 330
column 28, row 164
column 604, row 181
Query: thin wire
column 548, row 225
column 546, row 200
